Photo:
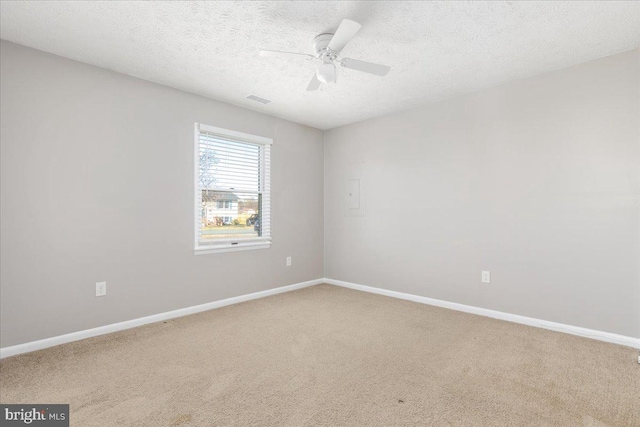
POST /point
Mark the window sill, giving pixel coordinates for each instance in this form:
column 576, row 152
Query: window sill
column 205, row 250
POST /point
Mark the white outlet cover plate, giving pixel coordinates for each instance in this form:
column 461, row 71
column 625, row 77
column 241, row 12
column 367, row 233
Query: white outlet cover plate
column 101, row 289
column 486, row 277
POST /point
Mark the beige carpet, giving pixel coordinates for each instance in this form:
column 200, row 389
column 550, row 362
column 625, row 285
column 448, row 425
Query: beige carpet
column 328, row 356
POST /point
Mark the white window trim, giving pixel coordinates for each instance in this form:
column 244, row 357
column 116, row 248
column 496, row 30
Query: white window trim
column 233, row 134
column 241, row 246
column 225, row 245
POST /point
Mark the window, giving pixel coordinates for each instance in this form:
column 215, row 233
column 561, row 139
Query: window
column 224, row 204
column 232, row 190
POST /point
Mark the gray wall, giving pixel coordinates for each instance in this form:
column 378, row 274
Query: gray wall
column 537, row 181
column 97, row 184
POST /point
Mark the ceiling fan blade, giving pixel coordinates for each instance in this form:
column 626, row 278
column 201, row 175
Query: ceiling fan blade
column 345, row 32
column 314, row 84
column 278, row 53
column 367, row 67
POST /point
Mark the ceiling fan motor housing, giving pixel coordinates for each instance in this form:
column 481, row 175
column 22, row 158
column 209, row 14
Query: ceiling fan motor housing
column 321, row 46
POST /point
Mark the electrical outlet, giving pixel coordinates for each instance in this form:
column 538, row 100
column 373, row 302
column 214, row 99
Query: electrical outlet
column 101, row 289
column 288, row 261
column 486, row 277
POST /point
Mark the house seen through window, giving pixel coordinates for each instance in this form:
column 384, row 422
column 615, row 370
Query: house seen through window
column 232, row 190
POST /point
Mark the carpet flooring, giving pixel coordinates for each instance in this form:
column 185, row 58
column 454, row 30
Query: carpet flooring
column 329, row 356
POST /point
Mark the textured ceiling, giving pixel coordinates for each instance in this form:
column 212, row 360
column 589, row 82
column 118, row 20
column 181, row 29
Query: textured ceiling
column 435, row 49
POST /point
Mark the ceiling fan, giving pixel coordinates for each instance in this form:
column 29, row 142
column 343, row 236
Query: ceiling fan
column 327, row 47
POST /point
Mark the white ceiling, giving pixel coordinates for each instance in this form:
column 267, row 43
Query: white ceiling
column 436, row 49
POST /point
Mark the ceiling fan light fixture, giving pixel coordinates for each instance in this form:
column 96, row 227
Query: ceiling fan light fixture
column 326, row 72
column 326, row 48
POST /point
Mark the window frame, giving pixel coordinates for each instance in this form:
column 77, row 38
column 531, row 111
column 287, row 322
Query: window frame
column 231, row 245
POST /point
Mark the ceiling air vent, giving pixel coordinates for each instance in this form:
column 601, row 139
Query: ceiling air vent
column 258, row 99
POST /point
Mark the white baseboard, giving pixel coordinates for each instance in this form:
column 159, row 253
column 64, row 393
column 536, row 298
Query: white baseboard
column 114, row 327
column 88, row 333
column 558, row 327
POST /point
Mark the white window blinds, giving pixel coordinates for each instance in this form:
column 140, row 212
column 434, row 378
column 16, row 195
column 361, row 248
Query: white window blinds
column 232, row 190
